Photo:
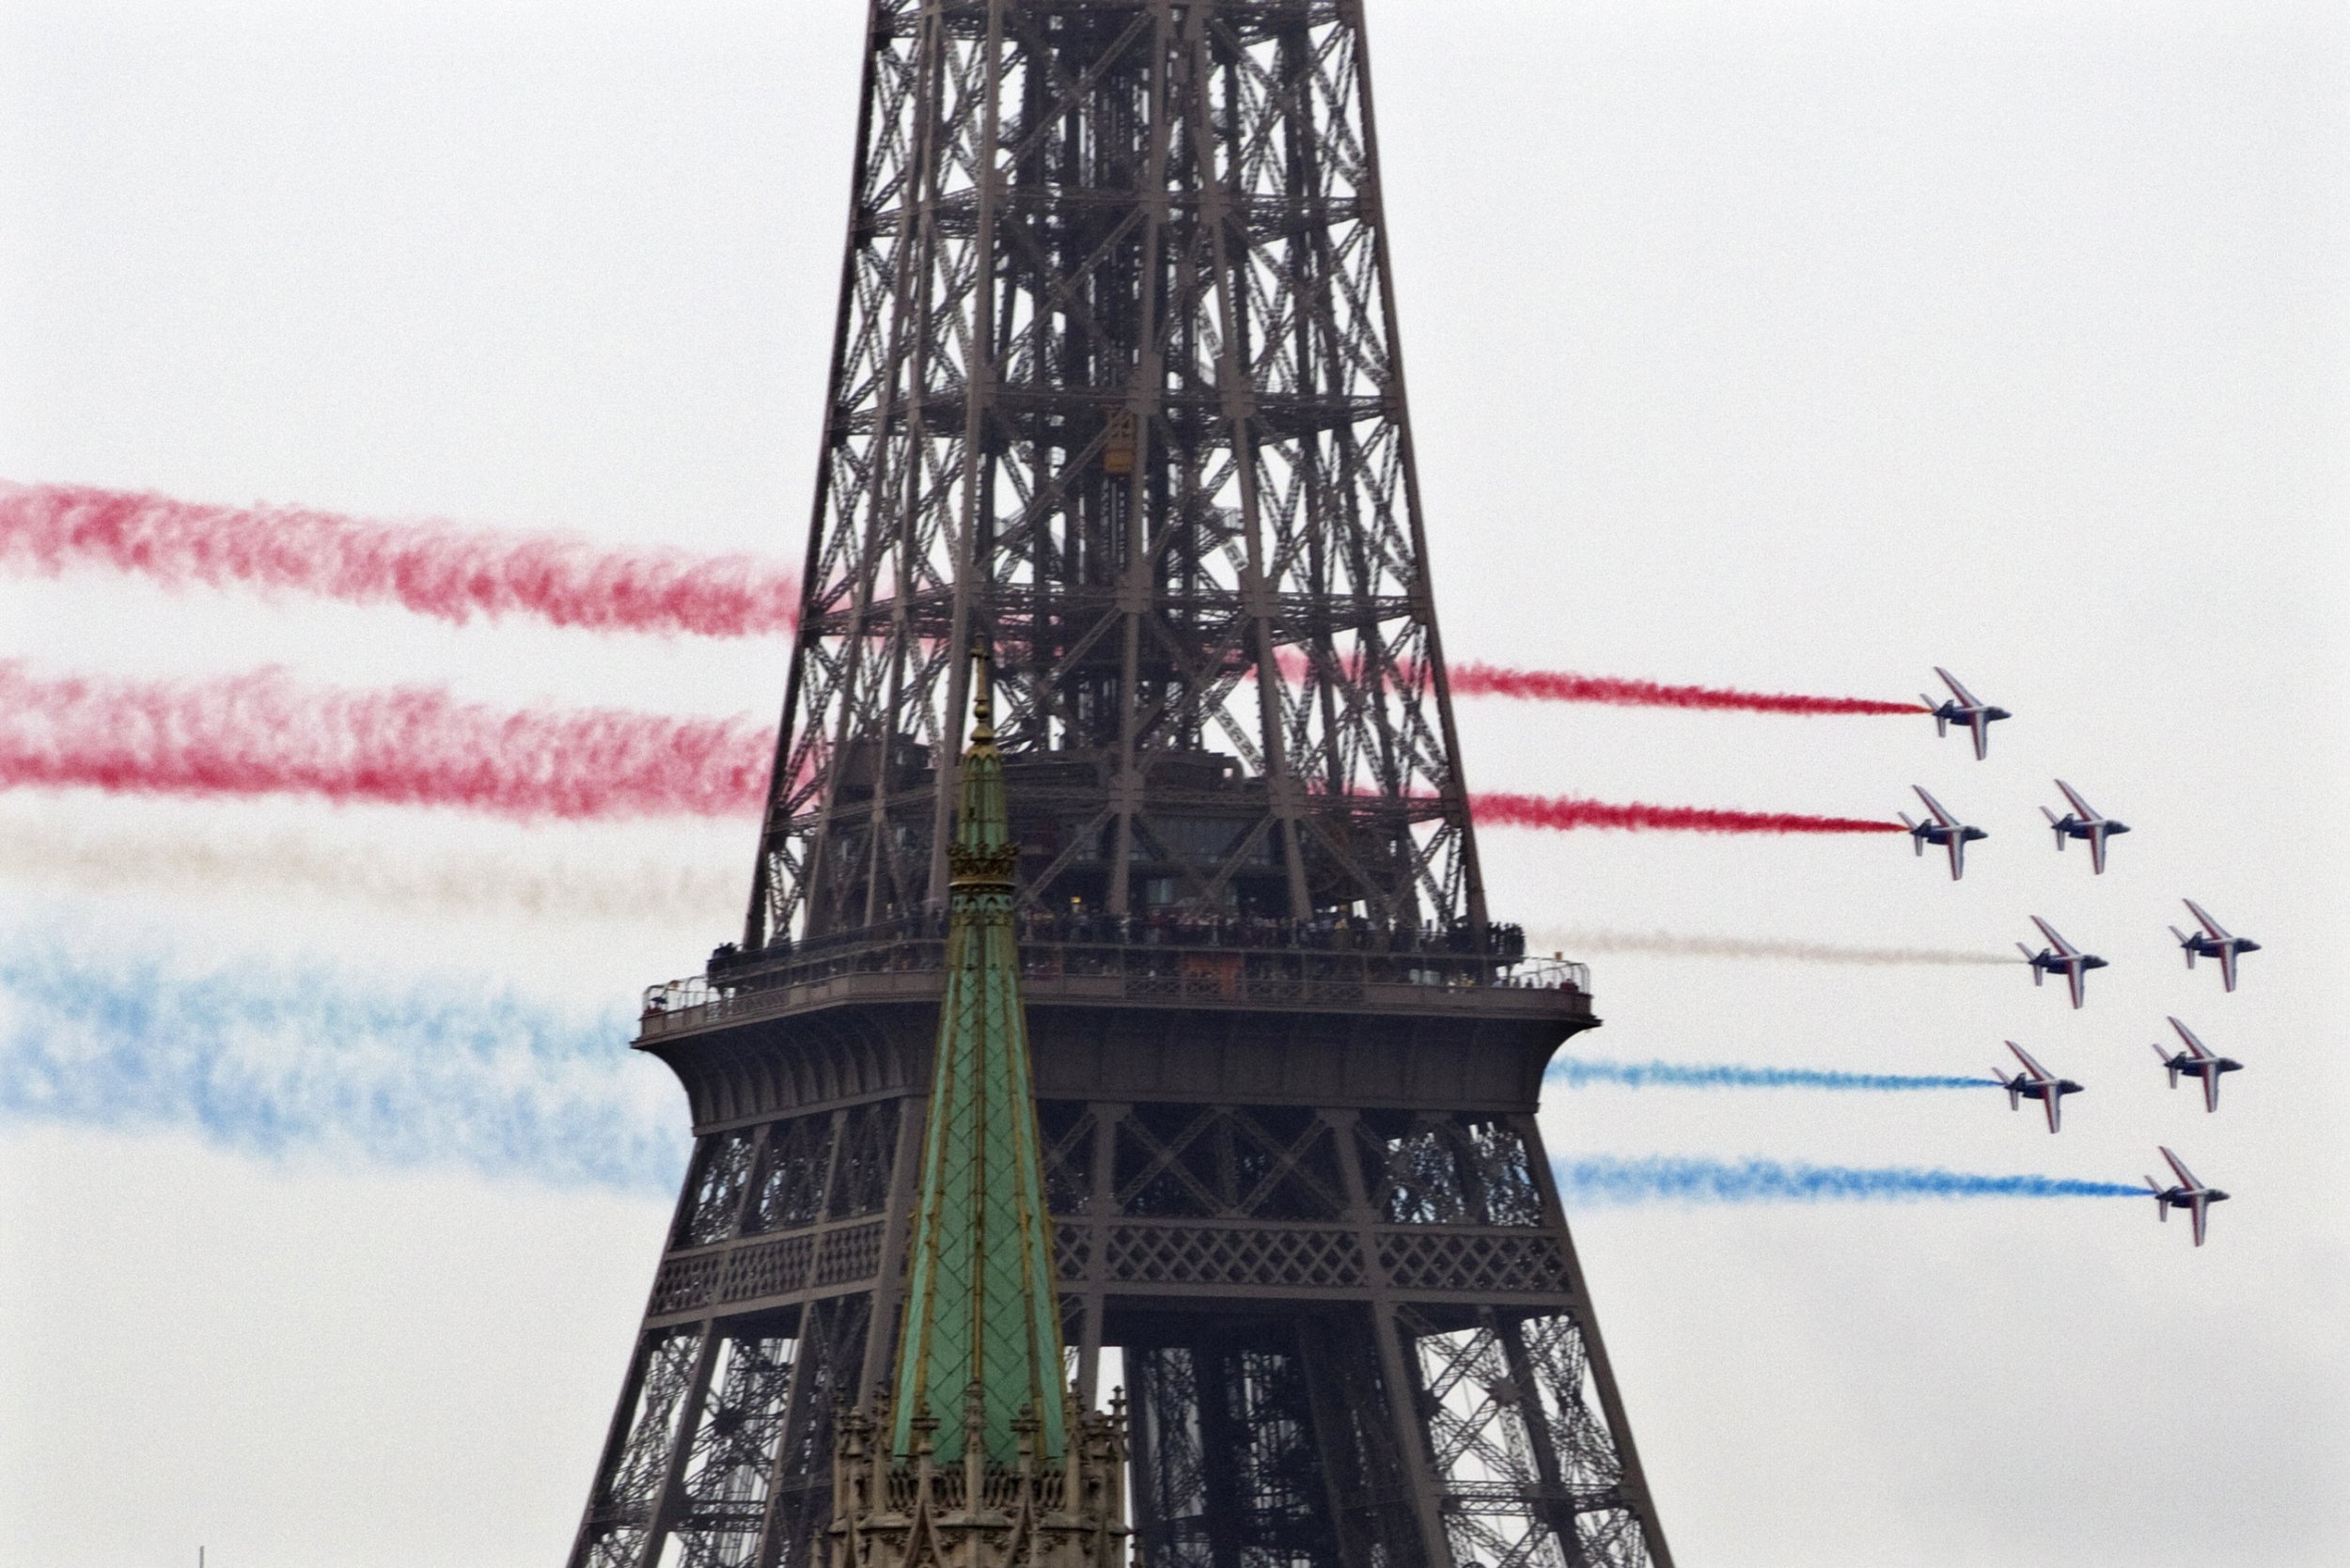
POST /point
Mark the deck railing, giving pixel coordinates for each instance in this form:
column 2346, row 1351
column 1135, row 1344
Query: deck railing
column 1132, row 970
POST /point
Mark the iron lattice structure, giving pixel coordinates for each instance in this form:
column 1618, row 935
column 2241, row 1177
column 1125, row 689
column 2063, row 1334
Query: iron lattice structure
column 1116, row 391
column 1115, row 386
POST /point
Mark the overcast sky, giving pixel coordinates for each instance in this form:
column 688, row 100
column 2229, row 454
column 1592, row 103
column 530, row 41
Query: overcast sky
column 1793, row 346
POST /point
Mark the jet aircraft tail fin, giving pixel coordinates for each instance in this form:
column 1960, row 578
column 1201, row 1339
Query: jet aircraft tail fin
column 2056, row 825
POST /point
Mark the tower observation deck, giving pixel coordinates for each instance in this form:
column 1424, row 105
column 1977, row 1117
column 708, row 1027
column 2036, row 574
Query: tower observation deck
column 1116, row 392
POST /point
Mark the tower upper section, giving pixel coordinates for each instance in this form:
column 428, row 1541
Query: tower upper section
column 1116, row 389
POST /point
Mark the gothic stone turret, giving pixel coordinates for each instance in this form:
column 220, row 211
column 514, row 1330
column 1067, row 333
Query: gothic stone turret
column 1024, row 1475
column 914, row 1511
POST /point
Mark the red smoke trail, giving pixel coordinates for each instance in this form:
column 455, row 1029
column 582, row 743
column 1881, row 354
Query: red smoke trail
column 456, row 575
column 1560, row 685
column 263, row 734
column 1566, row 811
column 430, row 568
column 1557, row 686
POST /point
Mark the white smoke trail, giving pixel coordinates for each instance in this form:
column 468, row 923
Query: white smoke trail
column 1682, row 945
column 294, row 863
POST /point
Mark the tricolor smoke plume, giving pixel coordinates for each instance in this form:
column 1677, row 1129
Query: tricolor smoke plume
column 1578, row 1072
column 1559, row 685
column 1602, row 1179
column 67, row 854
column 1569, row 811
column 432, row 569
column 1672, row 944
column 263, row 734
column 448, row 1075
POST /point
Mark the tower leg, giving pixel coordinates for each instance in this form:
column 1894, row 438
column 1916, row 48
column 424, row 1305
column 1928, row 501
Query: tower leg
column 834, row 1337
column 626, row 1496
column 1421, row 1482
column 1231, row 1473
column 1532, row 1477
column 1356, row 1443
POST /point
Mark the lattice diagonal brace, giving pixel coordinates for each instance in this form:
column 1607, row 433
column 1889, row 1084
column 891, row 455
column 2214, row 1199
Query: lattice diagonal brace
column 1116, row 385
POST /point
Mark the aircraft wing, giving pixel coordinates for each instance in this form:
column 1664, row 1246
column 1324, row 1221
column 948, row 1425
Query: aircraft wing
column 2063, row 948
column 2227, row 965
column 2039, row 1074
column 2214, row 927
column 1956, row 689
column 2078, row 974
column 2186, row 1177
column 2195, row 1048
column 2200, row 1208
column 1940, row 815
column 2087, row 812
column 2211, row 1088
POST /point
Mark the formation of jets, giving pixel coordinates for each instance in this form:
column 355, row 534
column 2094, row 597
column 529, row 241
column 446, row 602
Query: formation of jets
column 1943, row 829
column 2189, row 1194
column 1963, row 707
column 2083, row 823
column 2213, row 941
column 2198, row 1061
column 2060, row 957
column 2036, row 1082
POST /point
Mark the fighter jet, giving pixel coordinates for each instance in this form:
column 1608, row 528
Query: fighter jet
column 1944, row 830
column 2213, row 941
column 2199, row 1060
column 2036, row 1082
column 2060, row 957
column 2190, row 1195
column 2082, row 822
column 1962, row 707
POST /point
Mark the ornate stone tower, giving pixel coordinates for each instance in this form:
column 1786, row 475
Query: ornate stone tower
column 980, row 1459
column 1117, row 389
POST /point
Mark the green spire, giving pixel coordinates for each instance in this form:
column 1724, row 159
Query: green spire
column 982, row 1313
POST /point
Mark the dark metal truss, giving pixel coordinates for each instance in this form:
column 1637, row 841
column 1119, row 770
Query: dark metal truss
column 1530, row 1475
column 724, row 1456
column 1116, row 385
column 1392, row 1364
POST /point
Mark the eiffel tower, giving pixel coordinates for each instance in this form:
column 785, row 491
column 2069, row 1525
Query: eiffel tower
column 1116, row 392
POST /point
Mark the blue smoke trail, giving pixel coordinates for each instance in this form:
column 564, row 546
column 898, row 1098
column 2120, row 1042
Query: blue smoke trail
column 1576, row 1073
column 1604, row 1179
column 267, row 1062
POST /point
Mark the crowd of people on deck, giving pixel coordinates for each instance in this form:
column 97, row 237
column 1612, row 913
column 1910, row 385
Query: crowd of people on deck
column 1323, row 931
column 1078, row 922
column 902, row 942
